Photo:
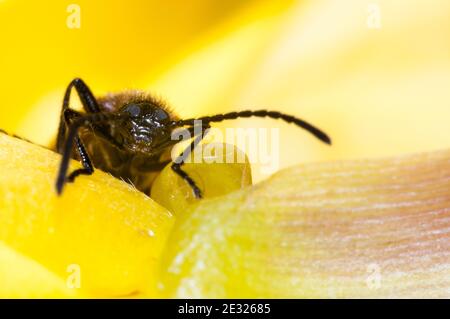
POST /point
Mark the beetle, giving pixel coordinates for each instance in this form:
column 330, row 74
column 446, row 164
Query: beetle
column 128, row 134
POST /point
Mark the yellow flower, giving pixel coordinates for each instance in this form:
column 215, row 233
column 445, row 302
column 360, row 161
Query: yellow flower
column 111, row 247
column 374, row 75
column 341, row 229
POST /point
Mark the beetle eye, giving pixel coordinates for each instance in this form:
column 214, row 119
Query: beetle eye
column 160, row 115
column 133, row 109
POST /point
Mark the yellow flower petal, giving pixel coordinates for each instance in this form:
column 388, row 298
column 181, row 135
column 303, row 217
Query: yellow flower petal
column 22, row 277
column 376, row 91
column 213, row 175
column 103, row 228
column 375, row 228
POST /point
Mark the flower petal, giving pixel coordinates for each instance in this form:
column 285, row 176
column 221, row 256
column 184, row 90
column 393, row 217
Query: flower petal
column 216, row 173
column 375, row 228
column 100, row 227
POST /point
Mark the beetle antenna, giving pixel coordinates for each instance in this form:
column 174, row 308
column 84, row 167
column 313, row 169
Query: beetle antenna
column 259, row 113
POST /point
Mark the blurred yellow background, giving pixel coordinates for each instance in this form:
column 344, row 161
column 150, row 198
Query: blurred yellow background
column 375, row 75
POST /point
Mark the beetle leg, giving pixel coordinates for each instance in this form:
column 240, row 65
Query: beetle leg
column 176, row 166
column 88, row 168
column 87, row 100
column 76, row 123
